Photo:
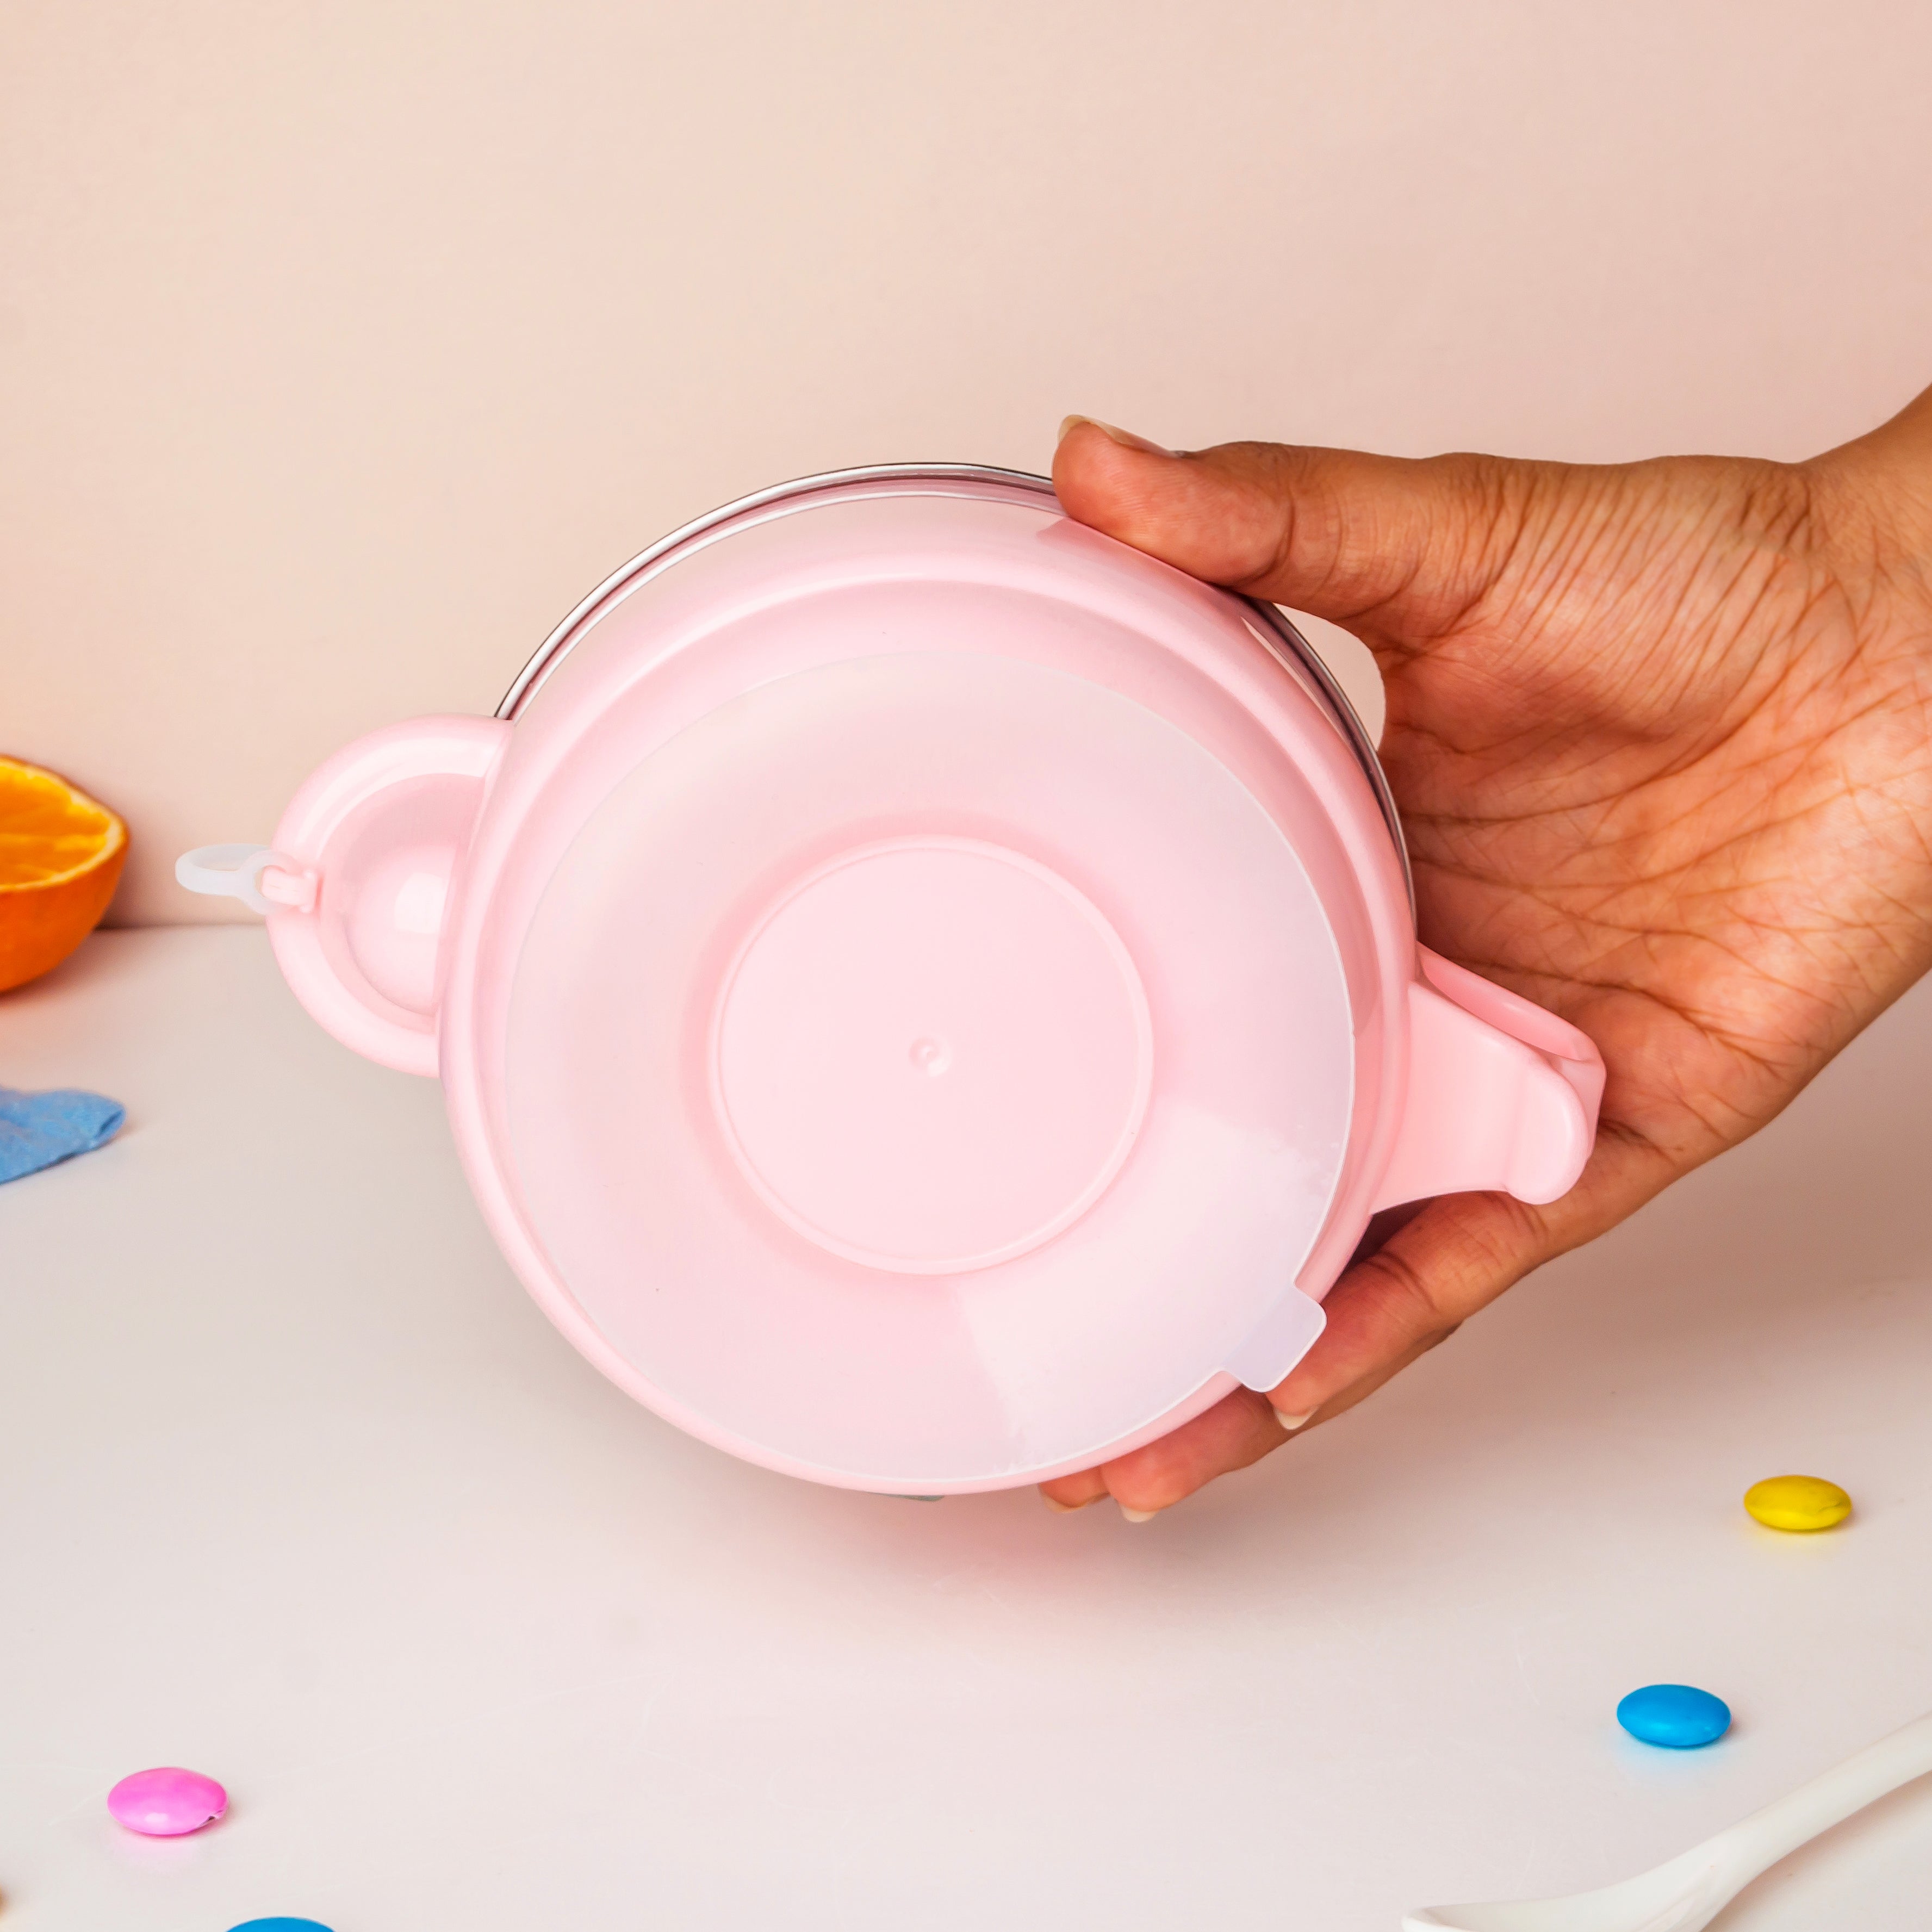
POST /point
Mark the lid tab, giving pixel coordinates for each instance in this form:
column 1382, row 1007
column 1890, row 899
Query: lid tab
column 1285, row 1334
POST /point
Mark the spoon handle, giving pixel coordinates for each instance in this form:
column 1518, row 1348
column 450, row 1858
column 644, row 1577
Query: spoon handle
column 1755, row 1843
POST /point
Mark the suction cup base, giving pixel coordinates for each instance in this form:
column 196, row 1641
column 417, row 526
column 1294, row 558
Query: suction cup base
column 932, row 1055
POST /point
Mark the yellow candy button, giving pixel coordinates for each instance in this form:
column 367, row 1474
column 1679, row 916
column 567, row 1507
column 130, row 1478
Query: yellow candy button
column 1798, row 1502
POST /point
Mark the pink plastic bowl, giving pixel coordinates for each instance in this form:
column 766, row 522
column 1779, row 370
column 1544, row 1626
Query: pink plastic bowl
column 927, row 996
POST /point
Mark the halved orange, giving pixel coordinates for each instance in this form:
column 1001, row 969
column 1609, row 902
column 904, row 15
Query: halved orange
column 60, row 855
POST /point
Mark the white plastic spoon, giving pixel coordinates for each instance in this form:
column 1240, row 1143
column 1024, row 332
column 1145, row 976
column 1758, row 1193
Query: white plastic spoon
column 1692, row 1889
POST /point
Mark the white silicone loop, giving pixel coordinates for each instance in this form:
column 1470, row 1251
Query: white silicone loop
column 231, row 872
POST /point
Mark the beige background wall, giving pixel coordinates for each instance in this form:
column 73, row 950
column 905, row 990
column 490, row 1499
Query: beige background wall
column 343, row 346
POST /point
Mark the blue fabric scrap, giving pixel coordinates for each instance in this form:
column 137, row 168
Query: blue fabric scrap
column 36, row 1130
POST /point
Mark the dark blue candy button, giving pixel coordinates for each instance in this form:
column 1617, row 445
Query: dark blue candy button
column 280, row 1925
column 1674, row 1715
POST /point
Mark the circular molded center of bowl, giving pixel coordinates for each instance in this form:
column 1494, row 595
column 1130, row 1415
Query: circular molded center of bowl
column 931, row 1055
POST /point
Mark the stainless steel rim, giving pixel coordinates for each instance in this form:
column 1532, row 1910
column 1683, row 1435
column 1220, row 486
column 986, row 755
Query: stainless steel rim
column 1280, row 632
column 559, row 640
column 1305, row 654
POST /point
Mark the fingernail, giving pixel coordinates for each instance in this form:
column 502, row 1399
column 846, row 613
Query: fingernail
column 1125, row 438
column 1138, row 1515
column 1292, row 1423
column 1060, row 1508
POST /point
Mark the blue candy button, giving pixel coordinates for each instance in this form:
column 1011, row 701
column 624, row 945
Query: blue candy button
column 1674, row 1715
column 280, row 1925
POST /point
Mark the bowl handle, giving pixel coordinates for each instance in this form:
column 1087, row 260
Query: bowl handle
column 1502, row 1094
column 359, row 883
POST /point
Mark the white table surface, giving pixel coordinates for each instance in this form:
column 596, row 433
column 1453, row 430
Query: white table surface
column 297, row 1488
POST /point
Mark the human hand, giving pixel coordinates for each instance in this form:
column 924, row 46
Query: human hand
column 1661, row 736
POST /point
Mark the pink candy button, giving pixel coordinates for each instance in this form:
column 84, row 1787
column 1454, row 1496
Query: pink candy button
column 166, row 1802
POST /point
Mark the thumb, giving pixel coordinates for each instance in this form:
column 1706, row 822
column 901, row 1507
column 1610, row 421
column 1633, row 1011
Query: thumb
column 1399, row 550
